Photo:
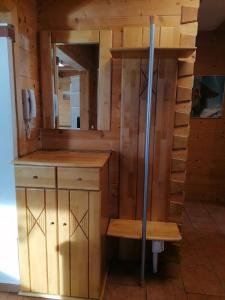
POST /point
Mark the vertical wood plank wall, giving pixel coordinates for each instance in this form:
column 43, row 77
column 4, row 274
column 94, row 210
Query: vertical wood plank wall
column 178, row 27
column 206, row 160
column 129, row 21
column 23, row 15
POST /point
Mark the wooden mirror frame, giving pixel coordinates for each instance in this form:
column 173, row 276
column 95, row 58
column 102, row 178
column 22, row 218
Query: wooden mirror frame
column 101, row 37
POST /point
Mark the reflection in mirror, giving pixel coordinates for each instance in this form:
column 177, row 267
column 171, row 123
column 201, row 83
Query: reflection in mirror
column 76, row 85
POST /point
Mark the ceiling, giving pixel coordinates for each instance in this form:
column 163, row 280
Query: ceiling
column 211, row 14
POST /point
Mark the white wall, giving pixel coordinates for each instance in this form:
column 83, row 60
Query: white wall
column 9, row 272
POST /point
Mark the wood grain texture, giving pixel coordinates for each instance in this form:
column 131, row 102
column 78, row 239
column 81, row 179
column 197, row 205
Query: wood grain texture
column 119, row 13
column 63, row 240
column 23, row 15
column 159, row 231
column 79, row 178
column 104, row 84
column 169, row 37
column 116, row 20
column 129, row 137
column 164, row 124
column 52, row 241
column 46, row 74
column 79, row 224
column 77, row 159
column 37, row 240
column 35, row 176
column 189, row 14
column 95, row 262
column 23, row 242
column 76, row 36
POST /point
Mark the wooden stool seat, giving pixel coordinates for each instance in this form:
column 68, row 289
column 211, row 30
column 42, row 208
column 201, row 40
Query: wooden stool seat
column 157, row 232
column 132, row 229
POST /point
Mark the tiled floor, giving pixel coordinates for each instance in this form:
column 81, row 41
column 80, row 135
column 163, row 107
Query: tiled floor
column 191, row 270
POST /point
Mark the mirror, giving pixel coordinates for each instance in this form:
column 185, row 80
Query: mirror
column 76, row 79
column 76, row 85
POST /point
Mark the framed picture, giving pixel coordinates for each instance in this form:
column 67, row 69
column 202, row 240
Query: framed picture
column 208, row 97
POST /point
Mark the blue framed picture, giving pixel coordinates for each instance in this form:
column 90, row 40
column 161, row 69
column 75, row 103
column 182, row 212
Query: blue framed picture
column 208, row 96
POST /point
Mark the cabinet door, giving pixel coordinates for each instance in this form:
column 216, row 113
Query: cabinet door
column 23, row 241
column 36, row 230
column 38, row 240
column 73, row 243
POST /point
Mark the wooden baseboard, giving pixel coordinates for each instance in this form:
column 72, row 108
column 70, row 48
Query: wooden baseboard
column 9, row 288
column 47, row 296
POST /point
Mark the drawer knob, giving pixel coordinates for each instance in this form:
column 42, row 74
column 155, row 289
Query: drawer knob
column 35, row 177
column 79, row 178
column 52, row 223
column 64, row 224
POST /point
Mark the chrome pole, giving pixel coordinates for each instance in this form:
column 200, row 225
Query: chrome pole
column 147, row 143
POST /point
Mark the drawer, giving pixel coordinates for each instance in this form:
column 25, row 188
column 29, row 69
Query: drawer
column 79, row 178
column 33, row 176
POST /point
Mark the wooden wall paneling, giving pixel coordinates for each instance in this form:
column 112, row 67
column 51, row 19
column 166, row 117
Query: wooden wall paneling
column 188, row 30
column 180, row 138
column 177, row 182
column 129, row 137
column 70, row 18
column 104, row 90
column 189, row 14
column 206, row 164
column 146, row 36
column 166, row 98
column 169, row 37
column 177, row 198
column 24, row 18
column 179, row 159
column 181, row 119
column 23, row 241
column 46, row 83
column 209, row 60
column 141, row 133
column 129, row 126
column 76, row 36
column 119, row 13
column 132, row 37
column 183, row 94
column 185, row 68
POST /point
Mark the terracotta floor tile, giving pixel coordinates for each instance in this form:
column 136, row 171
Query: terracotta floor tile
column 124, row 272
column 165, row 289
column 204, row 297
column 123, row 292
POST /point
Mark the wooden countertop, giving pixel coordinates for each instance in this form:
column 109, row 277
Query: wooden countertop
column 64, row 159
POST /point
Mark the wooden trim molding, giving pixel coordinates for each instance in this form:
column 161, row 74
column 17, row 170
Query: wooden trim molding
column 7, row 30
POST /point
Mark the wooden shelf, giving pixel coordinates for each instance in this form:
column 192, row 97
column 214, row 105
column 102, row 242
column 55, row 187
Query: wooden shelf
column 144, row 52
column 132, row 229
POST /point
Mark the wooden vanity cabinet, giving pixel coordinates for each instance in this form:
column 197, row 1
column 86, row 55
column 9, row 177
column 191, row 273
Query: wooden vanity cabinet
column 62, row 219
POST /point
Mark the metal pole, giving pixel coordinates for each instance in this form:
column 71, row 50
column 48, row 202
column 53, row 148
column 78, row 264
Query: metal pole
column 147, row 143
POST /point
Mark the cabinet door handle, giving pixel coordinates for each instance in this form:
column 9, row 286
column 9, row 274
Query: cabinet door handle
column 79, row 179
column 64, row 224
column 35, row 177
column 52, row 223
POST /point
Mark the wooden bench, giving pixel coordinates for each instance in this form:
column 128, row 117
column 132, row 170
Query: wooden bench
column 157, row 232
